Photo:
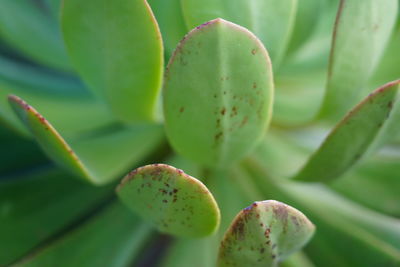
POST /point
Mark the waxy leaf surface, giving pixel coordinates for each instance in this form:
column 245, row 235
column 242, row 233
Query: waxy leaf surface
column 352, row 136
column 173, row 201
column 97, row 159
column 264, row 234
column 361, row 33
column 118, row 52
column 218, row 93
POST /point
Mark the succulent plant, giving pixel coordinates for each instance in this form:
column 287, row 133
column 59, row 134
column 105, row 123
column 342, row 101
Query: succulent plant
column 250, row 133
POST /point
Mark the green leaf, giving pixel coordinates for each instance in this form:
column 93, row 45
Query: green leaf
column 118, row 52
column 35, row 206
column 98, row 159
column 173, row 201
column 31, row 30
column 375, row 179
column 352, row 136
column 218, row 94
column 270, row 20
column 89, row 244
column 263, row 234
column 348, row 234
column 170, row 19
column 361, row 33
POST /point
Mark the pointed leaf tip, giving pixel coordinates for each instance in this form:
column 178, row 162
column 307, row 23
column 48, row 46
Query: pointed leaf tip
column 173, row 201
column 264, row 234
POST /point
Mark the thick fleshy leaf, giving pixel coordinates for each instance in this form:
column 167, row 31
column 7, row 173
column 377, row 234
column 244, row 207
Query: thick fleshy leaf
column 28, row 27
column 173, row 201
column 62, row 99
column 40, row 204
column 270, row 20
column 342, row 225
column 89, row 244
column 352, row 136
column 98, row 159
column 118, row 52
column 264, row 234
column 361, row 33
column 218, row 93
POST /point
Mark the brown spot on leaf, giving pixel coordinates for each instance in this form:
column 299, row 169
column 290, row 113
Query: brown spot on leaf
column 223, row 110
column 254, row 51
column 182, row 109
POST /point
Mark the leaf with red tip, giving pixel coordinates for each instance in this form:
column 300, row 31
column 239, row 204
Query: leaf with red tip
column 173, row 201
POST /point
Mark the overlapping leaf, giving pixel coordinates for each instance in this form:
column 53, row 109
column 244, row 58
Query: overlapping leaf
column 118, row 52
column 97, row 159
column 173, row 201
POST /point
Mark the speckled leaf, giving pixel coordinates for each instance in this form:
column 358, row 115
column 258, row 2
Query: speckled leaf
column 218, row 93
column 173, row 201
column 118, row 52
column 361, row 33
column 97, row 159
column 363, row 126
column 270, row 20
column 264, row 234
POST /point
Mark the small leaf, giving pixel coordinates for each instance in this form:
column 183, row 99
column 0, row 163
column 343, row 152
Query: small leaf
column 173, row 201
column 361, row 33
column 352, row 136
column 218, row 93
column 118, row 52
column 264, row 234
column 97, row 159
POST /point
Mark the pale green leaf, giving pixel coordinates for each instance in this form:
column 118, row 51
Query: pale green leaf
column 264, row 234
column 118, row 52
column 173, row 201
column 98, row 159
column 361, row 33
column 352, row 136
column 218, row 94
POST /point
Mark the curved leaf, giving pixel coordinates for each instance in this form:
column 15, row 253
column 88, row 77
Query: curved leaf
column 352, row 136
column 270, row 20
column 361, row 33
column 97, row 159
column 118, row 52
column 218, row 93
column 264, row 234
column 173, row 201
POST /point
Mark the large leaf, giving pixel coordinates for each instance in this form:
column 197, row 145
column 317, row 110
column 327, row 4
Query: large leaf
column 98, row 159
column 270, row 20
column 30, row 28
column 352, row 136
column 173, row 201
column 263, row 234
column 361, row 33
column 38, row 205
column 218, row 93
column 118, row 52
column 112, row 237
